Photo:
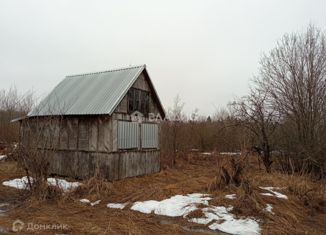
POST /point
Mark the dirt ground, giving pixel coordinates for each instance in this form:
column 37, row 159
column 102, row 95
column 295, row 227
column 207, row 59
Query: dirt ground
column 192, row 175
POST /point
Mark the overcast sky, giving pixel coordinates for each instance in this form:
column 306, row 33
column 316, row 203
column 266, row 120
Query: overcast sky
column 206, row 51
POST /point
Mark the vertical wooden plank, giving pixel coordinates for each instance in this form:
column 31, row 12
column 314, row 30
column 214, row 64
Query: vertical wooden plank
column 114, row 133
column 116, row 165
column 83, row 167
column 72, row 128
column 64, row 135
column 74, row 163
column 93, row 134
column 110, row 166
column 128, row 170
column 134, row 158
column 144, row 167
column 100, row 140
column 158, row 161
column 122, row 165
column 107, row 134
column 104, row 141
column 56, row 133
column 83, row 140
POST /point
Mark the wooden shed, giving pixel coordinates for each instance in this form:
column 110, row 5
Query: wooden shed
column 103, row 122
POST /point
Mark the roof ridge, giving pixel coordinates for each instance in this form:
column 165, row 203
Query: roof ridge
column 107, row 71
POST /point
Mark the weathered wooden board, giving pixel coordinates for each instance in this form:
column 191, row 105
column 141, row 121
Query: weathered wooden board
column 114, row 135
column 64, row 140
column 72, row 126
column 112, row 166
column 141, row 83
column 83, row 142
column 93, row 134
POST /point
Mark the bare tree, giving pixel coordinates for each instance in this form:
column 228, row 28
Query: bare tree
column 13, row 105
column 176, row 117
column 254, row 113
column 293, row 75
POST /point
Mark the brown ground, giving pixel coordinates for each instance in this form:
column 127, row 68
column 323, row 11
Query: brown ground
column 301, row 214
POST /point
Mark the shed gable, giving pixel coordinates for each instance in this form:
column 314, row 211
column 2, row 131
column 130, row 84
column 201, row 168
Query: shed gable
column 142, row 83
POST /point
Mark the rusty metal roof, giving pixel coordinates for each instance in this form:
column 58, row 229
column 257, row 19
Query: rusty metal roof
column 92, row 93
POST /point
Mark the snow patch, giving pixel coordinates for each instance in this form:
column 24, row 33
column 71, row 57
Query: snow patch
column 226, row 221
column 267, row 194
column 237, row 226
column 178, row 205
column 22, row 183
column 230, row 153
column 63, row 184
column 269, row 208
column 231, row 196
column 3, row 157
column 17, row 183
column 206, row 153
column 95, row 203
column 117, row 205
column 218, row 217
column 272, row 192
column 84, row 200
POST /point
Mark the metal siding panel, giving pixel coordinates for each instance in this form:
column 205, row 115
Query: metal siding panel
column 128, row 133
column 149, row 135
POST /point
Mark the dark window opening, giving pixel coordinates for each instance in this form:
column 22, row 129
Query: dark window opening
column 138, row 100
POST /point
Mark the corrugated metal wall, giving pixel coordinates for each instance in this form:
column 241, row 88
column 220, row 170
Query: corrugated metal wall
column 149, row 135
column 128, row 135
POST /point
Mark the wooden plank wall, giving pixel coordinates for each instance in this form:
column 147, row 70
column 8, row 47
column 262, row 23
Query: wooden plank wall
column 112, row 166
column 85, row 146
column 93, row 134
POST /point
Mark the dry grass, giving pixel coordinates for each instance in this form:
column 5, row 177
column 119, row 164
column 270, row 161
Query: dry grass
column 94, row 188
column 293, row 216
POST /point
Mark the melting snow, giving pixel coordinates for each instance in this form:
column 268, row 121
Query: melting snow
column 95, row 203
column 269, row 208
column 178, row 205
column 218, row 217
column 117, row 205
column 17, row 183
column 84, row 200
column 272, row 192
column 63, row 184
column 268, row 194
column 231, row 196
column 226, row 221
column 237, row 226
column 230, row 153
column 2, row 157
column 207, row 153
column 22, row 183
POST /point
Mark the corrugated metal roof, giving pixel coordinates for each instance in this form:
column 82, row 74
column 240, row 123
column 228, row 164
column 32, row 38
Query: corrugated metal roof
column 93, row 93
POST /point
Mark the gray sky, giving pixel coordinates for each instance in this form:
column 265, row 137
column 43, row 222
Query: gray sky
column 207, row 51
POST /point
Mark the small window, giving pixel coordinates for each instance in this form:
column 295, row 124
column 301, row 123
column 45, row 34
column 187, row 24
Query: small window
column 138, row 100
